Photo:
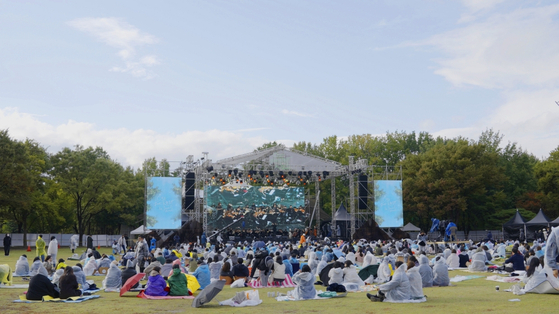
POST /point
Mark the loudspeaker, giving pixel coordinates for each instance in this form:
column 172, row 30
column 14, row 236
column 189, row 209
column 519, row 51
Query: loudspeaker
column 189, row 190
column 363, row 184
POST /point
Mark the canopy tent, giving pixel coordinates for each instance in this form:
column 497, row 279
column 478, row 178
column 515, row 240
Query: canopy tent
column 513, row 227
column 555, row 222
column 540, row 220
column 410, row 228
column 140, row 230
column 537, row 223
column 343, row 221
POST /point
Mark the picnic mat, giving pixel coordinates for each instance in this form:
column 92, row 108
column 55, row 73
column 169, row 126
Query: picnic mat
column 503, row 279
column 15, row 287
column 168, row 297
column 320, row 295
column 287, row 283
column 415, row 300
column 459, row 278
column 47, row 298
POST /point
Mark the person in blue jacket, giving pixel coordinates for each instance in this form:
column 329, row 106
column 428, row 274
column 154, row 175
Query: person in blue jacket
column 202, row 274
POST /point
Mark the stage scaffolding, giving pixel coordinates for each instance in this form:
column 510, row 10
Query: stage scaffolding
column 292, row 164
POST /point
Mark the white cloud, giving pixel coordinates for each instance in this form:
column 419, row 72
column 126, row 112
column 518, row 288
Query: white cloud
column 479, row 5
column 119, row 34
column 296, row 113
column 517, row 54
column 503, row 51
column 129, row 147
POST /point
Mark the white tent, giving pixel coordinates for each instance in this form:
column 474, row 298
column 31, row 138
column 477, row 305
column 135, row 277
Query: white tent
column 140, row 230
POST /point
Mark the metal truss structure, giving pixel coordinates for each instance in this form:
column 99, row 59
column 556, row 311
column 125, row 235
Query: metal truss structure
column 285, row 166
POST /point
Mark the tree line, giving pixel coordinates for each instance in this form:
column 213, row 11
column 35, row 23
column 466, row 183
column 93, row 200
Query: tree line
column 478, row 183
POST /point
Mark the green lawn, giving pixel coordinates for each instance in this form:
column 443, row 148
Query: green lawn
column 472, row 296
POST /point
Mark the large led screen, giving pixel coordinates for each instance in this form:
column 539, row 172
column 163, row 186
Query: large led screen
column 256, row 207
column 389, row 208
column 163, row 203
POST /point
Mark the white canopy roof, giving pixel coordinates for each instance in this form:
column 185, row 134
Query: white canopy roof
column 140, row 230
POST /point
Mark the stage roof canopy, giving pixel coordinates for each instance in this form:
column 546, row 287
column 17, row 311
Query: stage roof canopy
column 280, row 158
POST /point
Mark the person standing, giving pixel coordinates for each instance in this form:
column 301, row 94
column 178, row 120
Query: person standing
column 89, row 242
column 7, row 244
column 40, row 245
column 122, row 245
column 53, row 248
column 74, row 240
column 142, row 253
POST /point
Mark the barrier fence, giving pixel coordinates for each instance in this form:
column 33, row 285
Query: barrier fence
column 103, row 240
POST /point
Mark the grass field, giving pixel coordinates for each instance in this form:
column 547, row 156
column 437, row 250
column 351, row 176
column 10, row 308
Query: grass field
column 472, row 296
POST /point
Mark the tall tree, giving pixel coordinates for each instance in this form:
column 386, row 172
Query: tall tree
column 547, row 174
column 89, row 177
column 458, row 180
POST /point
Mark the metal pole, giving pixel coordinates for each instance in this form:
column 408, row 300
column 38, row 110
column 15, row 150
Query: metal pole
column 333, row 200
column 351, row 196
column 317, row 205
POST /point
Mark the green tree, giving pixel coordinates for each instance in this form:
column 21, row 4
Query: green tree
column 547, row 174
column 89, row 177
column 456, row 180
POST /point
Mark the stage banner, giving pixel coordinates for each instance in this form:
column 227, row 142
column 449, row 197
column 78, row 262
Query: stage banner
column 389, row 207
column 164, row 197
column 256, row 207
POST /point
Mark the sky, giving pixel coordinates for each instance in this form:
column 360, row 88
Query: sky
column 176, row 78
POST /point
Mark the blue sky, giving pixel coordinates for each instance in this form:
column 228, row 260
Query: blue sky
column 168, row 80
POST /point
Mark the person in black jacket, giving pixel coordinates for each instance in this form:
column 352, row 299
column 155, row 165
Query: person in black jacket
column 240, row 270
column 7, row 244
column 68, row 284
column 128, row 272
column 40, row 286
column 89, row 242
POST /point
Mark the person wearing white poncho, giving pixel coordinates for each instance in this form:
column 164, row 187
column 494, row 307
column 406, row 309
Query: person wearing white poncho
column 383, row 272
column 369, row 259
column 453, row 261
column 90, row 267
column 425, row 271
column 321, row 264
column 397, row 289
column 440, row 273
column 113, row 280
column 313, row 262
column 478, row 261
column 80, row 277
column 416, row 285
column 22, row 266
column 38, row 268
column 74, row 242
column 56, row 276
column 350, row 274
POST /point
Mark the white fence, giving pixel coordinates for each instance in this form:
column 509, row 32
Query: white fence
column 63, row 239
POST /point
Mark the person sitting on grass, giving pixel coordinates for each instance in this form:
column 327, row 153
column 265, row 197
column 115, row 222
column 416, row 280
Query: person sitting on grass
column 61, row 264
column 478, row 261
column 336, row 274
column 215, row 268
column 156, row 284
column 178, row 284
column 517, row 260
column 305, row 283
column 167, row 268
column 48, row 264
column 351, row 275
column 440, row 273
column 425, row 271
column 91, row 266
column 278, row 274
column 202, row 274
column 453, row 261
column 6, row 275
column 129, row 272
column 397, row 289
column 112, row 281
column 80, row 276
column 240, row 270
column 416, row 285
column 68, row 284
column 38, row 268
column 226, row 273
column 40, row 286
column 22, row 266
